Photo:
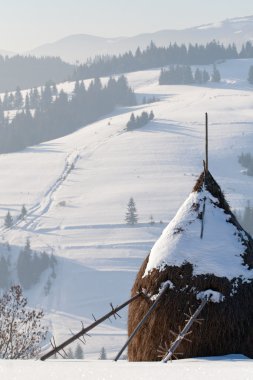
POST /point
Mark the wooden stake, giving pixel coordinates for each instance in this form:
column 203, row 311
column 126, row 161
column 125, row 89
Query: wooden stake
column 84, row 331
column 141, row 323
column 206, row 142
column 182, row 334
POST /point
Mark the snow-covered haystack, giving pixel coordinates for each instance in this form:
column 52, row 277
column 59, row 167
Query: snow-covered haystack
column 203, row 250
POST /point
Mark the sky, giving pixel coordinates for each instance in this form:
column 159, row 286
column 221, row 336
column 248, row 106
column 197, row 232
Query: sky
column 26, row 24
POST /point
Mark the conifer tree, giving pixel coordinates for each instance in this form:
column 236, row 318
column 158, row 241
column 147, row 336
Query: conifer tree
column 206, row 76
column 18, row 99
column 8, row 220
column 79, row 352
column 131, row 214
column 70, row 353
column 151, row 115
column 102, row 355
column 151, row 220
column 250, row 75
column 23, row 212
column 216, row 74
column 4, row 272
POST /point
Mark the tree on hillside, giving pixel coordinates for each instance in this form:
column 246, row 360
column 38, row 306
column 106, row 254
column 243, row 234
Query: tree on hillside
column 79, row 352
column 8, row 220
column 18, row 99
column 215, row 74
column 4, row 272
column 21, row 330
column 102, row 355
column 250, row 75
column 131, row 214
column 23, row 212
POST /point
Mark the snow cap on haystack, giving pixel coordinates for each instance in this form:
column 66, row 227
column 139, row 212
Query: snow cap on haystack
column 206, row 234
column 203, row 250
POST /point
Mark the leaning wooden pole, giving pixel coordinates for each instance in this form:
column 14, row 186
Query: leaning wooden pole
column 84, row 331
column 183, row 334
column 137, row 328
column 206, row 143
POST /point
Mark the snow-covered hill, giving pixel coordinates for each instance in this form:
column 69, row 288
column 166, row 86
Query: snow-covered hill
column 230, row 367
column 76, row 189
column 83, row 46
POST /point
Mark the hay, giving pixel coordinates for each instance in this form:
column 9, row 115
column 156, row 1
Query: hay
column 227, row 326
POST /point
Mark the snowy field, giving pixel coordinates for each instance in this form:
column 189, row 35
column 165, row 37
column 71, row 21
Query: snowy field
column 232, row 368
column 79, row 213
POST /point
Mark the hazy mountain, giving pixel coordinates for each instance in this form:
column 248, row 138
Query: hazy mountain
column 80, row 47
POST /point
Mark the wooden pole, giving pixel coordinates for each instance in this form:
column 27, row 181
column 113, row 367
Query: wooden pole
column 206, row 142
column 137, row 328
column 182, row 335
column 82, row 332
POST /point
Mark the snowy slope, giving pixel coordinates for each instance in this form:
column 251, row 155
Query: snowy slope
column 230, row 367
column 79, row 213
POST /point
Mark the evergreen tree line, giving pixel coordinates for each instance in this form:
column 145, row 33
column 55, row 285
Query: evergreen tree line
column 153, row 56
column 246, row 160
column 30, row 265
column 184, row 75
column 56, row 115
column 30, row 71
column 245, row 218
column 78, row 353
column 139, row 121
column 34, row 99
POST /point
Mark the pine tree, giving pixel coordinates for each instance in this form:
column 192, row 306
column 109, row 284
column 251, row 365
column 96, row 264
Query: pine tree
column 4, row 273
column 79, row 352
column 131, row 123
column 250, row 75
column 8, row 220
column 198, row 76
column 131, row 214
column 24, row 266
column 18, row 99
column 151, row 220
column 103, row 355
column 23, row 212
column 70, row 353
column 151, row 115
column 216, row 75
column 206, row 76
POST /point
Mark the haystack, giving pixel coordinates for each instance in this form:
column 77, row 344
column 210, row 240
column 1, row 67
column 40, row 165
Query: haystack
column 203, row 248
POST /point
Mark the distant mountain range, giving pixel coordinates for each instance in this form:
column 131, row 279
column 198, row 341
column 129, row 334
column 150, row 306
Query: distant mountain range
column 82, row 46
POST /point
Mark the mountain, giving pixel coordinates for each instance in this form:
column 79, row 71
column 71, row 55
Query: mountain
column 82, row 46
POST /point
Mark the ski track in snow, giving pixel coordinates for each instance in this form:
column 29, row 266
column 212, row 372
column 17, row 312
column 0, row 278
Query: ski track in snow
column 36, row 212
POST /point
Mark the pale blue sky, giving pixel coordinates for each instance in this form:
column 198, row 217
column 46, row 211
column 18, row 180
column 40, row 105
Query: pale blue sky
column 25, row 24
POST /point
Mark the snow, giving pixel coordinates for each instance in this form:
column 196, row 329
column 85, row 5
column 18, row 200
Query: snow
column 232, row 367
column 211, row 295
column 168, row 284
column 211, row 26
column 219, row 251
column 98, row 254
